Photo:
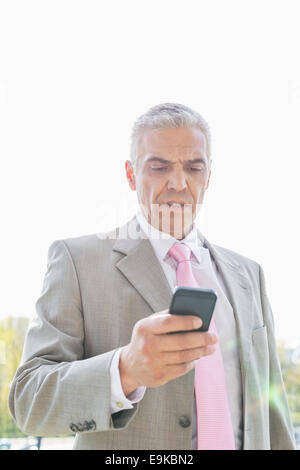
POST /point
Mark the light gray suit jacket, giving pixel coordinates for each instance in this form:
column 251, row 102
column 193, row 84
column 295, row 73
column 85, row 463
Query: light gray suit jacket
column 94, row 291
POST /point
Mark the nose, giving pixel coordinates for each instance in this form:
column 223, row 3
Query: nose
column 177, row 180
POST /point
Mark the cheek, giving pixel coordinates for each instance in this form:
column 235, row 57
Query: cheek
column 149, row 188
column 145, row 192
column 197, row 189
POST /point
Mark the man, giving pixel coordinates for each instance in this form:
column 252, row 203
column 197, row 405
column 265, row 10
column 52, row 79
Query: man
column 99, row 359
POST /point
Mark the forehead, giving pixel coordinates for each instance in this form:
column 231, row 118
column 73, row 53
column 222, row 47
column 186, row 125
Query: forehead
column 172, row 142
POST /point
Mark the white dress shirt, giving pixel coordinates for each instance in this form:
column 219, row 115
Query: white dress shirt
column 226, row 328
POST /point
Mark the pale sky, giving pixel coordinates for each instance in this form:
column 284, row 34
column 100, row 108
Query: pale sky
column 73, row 78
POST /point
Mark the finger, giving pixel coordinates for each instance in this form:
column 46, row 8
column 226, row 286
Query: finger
column 177, row 370
column 164, row 322
column 187, row 355
column 182, row 341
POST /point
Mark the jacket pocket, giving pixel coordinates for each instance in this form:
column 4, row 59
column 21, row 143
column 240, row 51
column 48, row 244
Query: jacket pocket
column 260, row 344
column 259, row 336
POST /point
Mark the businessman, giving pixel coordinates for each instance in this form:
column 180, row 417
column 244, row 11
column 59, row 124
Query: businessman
column 99, row 359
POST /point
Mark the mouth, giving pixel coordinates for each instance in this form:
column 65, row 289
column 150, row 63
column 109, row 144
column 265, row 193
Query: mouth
column 174, row 204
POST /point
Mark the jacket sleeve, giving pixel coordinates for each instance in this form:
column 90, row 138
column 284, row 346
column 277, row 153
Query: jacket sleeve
column 55, row 389
column 281, row 427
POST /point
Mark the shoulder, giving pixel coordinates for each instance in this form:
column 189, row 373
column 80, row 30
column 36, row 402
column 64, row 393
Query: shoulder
column 246, row 266
column 84, row 246
column 97, row 244
column 236, row 257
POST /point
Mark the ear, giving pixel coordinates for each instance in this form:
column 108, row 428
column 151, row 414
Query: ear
column 130, row 175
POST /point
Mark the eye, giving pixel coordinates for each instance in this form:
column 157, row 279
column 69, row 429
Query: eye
column 196, row 169
column 158, row 168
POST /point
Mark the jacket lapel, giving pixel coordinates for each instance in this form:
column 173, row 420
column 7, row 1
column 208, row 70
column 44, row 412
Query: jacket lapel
column 142, row 268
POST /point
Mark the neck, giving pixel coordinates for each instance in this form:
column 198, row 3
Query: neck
column 179, row 232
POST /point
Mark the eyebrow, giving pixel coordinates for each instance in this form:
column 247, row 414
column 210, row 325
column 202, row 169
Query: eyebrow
column 163, row 160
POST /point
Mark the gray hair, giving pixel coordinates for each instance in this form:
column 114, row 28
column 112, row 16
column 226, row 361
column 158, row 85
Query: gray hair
column 167, row 115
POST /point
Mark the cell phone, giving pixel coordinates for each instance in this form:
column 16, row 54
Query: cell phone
column 194, row 301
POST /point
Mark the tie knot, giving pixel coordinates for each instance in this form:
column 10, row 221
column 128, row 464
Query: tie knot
column 180, row 252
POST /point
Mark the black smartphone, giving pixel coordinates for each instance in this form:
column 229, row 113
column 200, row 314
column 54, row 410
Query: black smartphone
column 194, row 301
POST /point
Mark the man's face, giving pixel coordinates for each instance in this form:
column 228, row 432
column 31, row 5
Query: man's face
column 172, row 166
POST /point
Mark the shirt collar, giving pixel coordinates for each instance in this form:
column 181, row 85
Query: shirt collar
column 162, row 242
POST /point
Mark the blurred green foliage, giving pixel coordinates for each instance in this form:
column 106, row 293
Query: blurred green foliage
column 290, row 367
column 12, row 335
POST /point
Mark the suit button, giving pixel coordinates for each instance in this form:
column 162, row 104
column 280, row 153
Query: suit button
column 80, row 427
column 184, row 421
column 91, row 425
column 73, row 427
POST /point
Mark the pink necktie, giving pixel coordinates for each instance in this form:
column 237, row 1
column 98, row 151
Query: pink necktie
column 214, row 424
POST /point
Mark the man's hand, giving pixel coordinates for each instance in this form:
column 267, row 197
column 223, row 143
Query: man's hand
column 153, row 357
